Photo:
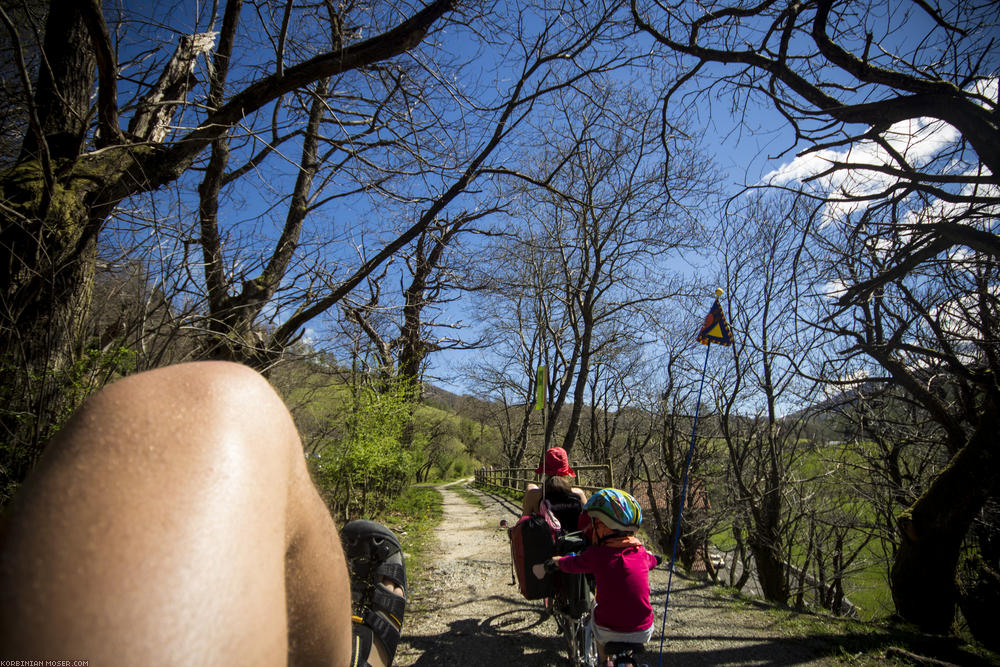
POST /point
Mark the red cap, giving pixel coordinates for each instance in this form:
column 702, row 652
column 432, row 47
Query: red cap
column 557, row 463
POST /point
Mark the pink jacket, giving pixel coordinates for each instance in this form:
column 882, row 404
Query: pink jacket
column 622, row 578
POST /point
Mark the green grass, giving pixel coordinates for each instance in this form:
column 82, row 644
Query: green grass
column 828, row 468
column 413, row 516
column 724, row 539
column 510, row 494
column 467, row 495
column 863, row 643
column 865, row 585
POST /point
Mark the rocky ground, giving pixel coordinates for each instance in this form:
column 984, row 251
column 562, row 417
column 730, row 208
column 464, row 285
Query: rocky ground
column 464, row 610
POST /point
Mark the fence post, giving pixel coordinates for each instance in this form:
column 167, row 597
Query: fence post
column 611, row 475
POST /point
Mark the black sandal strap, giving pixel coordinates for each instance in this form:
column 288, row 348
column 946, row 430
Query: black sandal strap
column 395, row 572
column 361, row 645
column 389, row 603
column 386, row 631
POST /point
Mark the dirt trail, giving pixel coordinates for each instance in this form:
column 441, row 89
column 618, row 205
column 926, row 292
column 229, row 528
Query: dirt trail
column 464, row 611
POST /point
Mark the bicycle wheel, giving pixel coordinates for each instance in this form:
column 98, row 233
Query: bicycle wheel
column 587, row 641
column 581, row 646
column 574, row 633
column 587, row 644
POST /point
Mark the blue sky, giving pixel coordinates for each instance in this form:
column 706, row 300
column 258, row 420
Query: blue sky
column 745, row 146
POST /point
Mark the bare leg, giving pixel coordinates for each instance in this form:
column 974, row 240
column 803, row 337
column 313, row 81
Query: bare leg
column 173, row 521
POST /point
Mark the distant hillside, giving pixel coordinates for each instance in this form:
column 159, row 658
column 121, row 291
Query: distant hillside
column 467, row 406
column 441, row 398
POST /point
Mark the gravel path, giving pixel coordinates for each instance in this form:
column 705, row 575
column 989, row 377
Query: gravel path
column 464, row 610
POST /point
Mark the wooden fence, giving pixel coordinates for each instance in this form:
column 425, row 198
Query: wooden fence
column 517, row 479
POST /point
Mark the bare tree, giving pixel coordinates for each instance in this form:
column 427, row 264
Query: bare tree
column 589, row 261
column 895, row 107
column 763, row 380
column 847, row 76
column 417, row 139
column 931, row 334
column 670, row 403
column 77, row 164
column 145, row 157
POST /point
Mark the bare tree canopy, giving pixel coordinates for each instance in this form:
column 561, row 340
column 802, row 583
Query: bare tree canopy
column 894, row 107
column 111, row 109
column 888, row 101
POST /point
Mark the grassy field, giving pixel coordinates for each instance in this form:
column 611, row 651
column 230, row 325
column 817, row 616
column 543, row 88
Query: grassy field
column 825, row 475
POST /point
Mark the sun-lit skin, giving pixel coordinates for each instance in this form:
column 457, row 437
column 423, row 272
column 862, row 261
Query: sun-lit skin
column 172, row 520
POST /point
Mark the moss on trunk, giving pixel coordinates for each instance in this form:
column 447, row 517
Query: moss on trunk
column 923, row 575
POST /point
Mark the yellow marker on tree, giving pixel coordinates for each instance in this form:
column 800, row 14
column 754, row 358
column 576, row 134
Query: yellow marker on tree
column 540, row 388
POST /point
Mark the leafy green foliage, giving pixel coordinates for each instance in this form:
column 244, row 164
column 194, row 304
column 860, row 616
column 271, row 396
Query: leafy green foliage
column 365, row 443
column 446, row 445
column 364, row 468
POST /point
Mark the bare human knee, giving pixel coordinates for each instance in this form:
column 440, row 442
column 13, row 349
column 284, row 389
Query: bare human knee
column 160, row 511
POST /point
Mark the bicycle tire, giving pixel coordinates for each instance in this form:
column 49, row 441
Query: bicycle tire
column 570, row 628
column 581, row 646
column 588, row 645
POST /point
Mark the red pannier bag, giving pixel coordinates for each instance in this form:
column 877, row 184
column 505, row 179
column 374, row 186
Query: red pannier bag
column 531, row 542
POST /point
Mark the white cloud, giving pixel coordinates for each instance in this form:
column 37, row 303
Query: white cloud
column 834, row 288
column 919, row 141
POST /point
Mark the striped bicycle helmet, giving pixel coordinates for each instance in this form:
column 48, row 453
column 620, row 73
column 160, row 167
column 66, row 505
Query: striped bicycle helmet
column 616, row 509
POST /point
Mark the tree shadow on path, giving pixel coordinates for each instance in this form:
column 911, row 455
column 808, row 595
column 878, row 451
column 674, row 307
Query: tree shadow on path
column 523, row 635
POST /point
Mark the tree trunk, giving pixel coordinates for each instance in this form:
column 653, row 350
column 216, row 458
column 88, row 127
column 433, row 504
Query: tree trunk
column 922, row 578
column 583, row 373
column 764, row 546
column 48, row 238
column 770, row 571
column 64, row 86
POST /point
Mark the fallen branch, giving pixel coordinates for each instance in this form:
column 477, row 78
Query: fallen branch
column 894, row 652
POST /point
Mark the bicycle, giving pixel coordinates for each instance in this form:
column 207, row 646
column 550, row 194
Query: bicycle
column 573, row 625
column 571, row 607
column 580, row 643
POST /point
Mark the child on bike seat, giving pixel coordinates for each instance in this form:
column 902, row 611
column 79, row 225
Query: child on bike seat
column 620, row 566
column 565, row 499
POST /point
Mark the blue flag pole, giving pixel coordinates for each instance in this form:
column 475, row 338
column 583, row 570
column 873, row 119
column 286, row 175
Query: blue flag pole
column 680, row 511
column 715, row 328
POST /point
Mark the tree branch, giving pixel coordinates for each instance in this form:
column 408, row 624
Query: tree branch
column 109, row 133
column 171, row 163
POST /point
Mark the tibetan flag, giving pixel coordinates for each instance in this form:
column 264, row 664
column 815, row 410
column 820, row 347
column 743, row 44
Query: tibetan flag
column 715, row 329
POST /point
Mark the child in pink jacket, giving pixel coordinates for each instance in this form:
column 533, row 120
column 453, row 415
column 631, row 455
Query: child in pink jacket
column 620, row 566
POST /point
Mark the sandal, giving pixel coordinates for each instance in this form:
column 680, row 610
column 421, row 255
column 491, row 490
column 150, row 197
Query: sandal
column 373, row 552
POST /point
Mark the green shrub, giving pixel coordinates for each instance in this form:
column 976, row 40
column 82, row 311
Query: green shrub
column 360, row 472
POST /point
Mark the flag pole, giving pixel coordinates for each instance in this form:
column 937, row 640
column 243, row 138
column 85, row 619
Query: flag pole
column 541, row 377
column 724, row 339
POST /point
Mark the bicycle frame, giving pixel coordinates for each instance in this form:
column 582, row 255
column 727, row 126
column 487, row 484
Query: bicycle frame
column 575, row 629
